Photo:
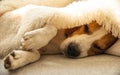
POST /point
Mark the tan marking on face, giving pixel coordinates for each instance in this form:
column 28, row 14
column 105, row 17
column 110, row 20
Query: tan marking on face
column 101, row 45
column 68, row 32
column 92, row 27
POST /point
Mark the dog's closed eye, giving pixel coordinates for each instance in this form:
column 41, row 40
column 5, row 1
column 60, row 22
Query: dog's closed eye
column 86, row 28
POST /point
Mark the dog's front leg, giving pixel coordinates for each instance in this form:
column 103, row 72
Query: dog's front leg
column 38, row 38
column 31, row 42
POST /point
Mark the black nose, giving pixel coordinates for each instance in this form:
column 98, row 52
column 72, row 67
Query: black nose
column 72, row 50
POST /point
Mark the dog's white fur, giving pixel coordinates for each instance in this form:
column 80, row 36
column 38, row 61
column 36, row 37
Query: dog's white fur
column 14, row 24
column 32, row 23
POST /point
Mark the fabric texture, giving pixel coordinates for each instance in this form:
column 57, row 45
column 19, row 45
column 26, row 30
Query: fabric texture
column 60, row 65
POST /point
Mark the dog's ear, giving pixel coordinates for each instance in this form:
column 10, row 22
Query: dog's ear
column 68, row 32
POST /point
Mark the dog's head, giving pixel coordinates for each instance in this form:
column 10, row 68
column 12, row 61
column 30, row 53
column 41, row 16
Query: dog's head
column 89, row 39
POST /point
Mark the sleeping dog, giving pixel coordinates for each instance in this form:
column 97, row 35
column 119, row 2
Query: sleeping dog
column 81, row 29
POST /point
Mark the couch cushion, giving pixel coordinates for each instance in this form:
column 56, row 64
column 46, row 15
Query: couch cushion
column 60, row 65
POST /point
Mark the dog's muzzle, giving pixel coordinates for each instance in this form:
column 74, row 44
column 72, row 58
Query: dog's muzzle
column 72, row 50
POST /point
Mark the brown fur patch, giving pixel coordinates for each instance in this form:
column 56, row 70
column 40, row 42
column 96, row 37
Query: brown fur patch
column 68, row 32
column 101, row 45
column 84, row 29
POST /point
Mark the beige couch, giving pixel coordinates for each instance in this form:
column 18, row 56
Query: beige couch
column 60, row 65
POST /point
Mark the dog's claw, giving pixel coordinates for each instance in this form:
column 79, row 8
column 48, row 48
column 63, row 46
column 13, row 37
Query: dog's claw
column 7, row 63
column 13, row 54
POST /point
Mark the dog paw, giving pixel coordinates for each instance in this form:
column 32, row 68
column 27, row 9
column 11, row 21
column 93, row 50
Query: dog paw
column 34, row 40
column 19, row 58
column 38, row 38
